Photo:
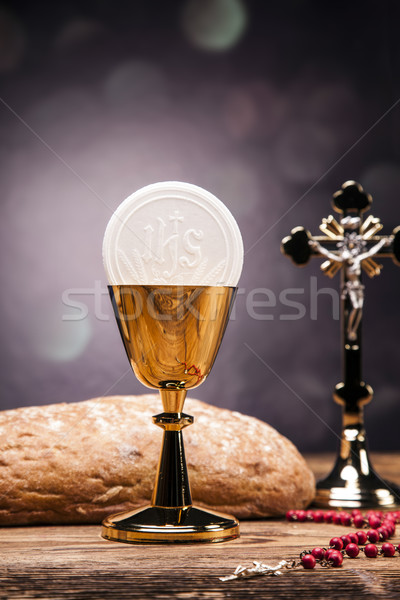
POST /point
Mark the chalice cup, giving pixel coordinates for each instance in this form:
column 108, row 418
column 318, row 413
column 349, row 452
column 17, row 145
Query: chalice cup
column 171, row 335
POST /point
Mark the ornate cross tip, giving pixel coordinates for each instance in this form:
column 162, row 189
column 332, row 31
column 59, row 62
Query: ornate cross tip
column 355, row 240
column 351, row 198
column 297, row 247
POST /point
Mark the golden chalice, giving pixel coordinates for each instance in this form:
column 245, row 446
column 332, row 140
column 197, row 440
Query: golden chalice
column 171, row 335
column 173, row 255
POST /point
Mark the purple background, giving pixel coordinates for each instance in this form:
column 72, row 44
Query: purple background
column 271, row 106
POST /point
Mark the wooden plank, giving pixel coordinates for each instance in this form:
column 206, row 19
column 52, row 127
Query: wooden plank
column 63, row 562
column 75, row 562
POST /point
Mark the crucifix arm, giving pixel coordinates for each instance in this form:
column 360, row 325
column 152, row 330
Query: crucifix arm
column 386, row 241
column 316, row 246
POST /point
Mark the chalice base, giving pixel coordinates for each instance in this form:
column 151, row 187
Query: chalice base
column 158, row 525
column 366, row 491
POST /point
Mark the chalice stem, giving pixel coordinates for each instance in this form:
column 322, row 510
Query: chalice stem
column 172, row 488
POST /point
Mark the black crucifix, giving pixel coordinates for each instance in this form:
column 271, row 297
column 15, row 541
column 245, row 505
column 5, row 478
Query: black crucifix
column 350, row 245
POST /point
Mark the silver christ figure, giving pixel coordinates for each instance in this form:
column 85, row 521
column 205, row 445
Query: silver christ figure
column 350, row 245
column 350, row 255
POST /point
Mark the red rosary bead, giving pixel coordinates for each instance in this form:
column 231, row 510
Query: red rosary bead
column 390, row 517
column 390, row 527
column 352, row 550
column 336, row 558
column 382, row 527
column 373, row 535
column 346, row 540
column 345, row 519
column 318, row 516
column 328, row 516
column 337, row 519
column 336, row 543
column 328, row 553
column 362, row 537
column 376, row 513
column 374, row 521
column 318, row 553
column 291, row 515
column 383, row 533
column 353, row 538
column 388, row 549
column 388, row 524
column 358, row 520
column 371, row 551
column 308, row 561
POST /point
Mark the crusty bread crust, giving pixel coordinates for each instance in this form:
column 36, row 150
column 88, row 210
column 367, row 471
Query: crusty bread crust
column 78, row 462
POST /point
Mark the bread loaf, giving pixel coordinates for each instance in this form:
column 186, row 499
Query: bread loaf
column 77, row 463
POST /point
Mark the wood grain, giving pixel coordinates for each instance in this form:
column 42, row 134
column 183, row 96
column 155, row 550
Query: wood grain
column 75, row 562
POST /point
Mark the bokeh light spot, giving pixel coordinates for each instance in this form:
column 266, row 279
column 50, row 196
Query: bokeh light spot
column 136, row 84
column 67, row 107
column 214, row 25
column 236, row 184
column 57, row 338
column 254, row 110
column 336, row 107
column 382, row 181
column 240, row 114
column 68, row 117
column 304, row 151
column 77, row 32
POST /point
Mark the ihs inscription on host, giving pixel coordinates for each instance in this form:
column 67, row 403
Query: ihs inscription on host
column 169, row 247
column 172, row 233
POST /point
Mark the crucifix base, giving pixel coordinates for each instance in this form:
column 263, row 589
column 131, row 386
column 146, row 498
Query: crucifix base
column 353, row 483
column 363, row 492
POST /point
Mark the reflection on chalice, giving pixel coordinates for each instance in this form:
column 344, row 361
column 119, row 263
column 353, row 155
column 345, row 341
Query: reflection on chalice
column 171, row 335
column 173, row 255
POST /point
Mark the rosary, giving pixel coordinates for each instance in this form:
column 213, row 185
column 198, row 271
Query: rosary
column 373, row 527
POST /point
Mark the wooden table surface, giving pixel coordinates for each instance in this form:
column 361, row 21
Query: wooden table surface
column 75, row 562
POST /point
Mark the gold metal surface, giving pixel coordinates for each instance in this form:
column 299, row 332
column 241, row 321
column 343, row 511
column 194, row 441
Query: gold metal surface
column 330, row 268
column 154, row 525
column 353, row 483
column 370, row 227
column 331, row 228
column 171, row 335
column 371, row 267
